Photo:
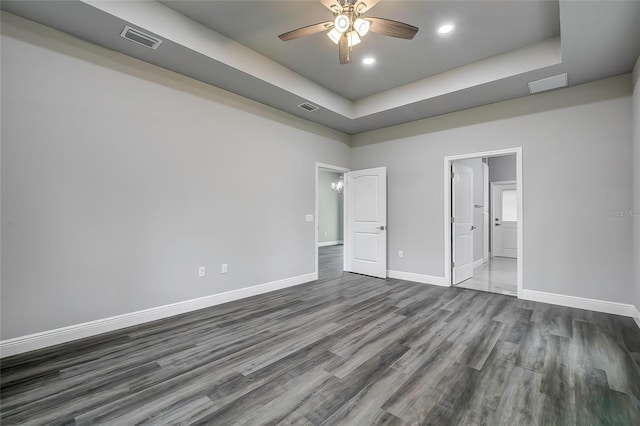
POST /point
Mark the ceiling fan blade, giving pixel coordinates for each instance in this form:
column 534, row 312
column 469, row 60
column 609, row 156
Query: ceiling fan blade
column 305, row 31
column 392, row 28
column 332, row 5
column 364, row 5
column 345, row 50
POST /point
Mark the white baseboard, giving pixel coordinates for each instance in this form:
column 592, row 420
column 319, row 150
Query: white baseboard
column 330, row 243
column 582, row 303
column 478, row 262
column 22, row 344
column 418, row 278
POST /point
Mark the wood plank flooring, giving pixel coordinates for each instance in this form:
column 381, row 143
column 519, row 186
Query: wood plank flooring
column 345, row 349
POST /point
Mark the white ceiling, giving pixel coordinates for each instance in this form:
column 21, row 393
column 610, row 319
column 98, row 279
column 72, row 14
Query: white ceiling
column 495, row 50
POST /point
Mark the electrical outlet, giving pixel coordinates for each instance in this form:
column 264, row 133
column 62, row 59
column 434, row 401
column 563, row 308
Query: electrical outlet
column 309, row 218
column 224, row 268
column 400, row 254
column 201, row 272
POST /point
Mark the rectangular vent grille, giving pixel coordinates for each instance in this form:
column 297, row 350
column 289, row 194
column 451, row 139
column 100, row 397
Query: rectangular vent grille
column 140, row 37
column 548, row 83
column 308, row 107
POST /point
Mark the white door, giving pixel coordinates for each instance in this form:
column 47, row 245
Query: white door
column 462, row 225
column 504, row 207
column 486, row 219
column 365, row 247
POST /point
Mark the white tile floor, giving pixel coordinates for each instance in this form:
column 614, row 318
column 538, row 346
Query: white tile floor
column 498, row 275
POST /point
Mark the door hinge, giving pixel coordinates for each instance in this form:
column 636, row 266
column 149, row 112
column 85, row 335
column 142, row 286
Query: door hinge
column 453, row 219
column 453, row 264
column 453, row 174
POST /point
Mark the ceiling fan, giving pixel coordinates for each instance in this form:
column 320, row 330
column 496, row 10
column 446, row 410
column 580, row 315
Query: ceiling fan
column 349, row 25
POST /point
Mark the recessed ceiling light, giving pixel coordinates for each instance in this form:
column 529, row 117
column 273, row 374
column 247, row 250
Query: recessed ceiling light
column 445, row 29
column 369, row 60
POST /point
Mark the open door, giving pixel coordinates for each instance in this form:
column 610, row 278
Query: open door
column 462, row 222
column 366, row 222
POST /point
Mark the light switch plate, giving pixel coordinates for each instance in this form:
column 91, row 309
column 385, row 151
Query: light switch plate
column 309, row 218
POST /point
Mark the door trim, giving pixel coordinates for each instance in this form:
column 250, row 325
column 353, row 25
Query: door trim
column 447, row 208
column 315, row 217
column 486, row 219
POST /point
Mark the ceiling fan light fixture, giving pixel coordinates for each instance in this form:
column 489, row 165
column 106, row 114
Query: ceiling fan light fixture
column 334, row 35
column 349, row 25
column 446, row 29
column 353, row 38
column 362, row 26
column 342, row 23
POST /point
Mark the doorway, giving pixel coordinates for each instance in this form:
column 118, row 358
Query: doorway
column 364, row 222
column 329, row 221
column 483, row 221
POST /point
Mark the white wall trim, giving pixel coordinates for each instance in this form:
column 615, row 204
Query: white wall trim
column 479, row 262
column 30, row 342
column 418, row 278
column 57, row 336
column 330, row 243
column 615, row 308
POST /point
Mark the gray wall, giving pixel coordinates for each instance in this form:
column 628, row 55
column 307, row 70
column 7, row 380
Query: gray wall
column 636, row 180
column 478, row 200
column 329, row 208
column 120, row 179
column 502, row 168
column 577, row 165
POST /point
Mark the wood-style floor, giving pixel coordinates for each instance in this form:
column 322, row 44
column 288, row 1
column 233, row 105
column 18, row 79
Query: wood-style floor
column 346, row 349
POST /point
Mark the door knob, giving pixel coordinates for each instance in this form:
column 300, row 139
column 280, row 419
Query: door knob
column 473, row 227
column 497, row 224
column 380, row 227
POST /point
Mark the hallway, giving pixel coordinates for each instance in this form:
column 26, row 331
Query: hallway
column 498, row 275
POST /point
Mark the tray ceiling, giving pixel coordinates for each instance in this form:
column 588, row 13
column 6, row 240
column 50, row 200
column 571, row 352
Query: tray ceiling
column 497, row 47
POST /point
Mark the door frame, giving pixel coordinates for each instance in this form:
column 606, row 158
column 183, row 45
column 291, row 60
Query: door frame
column 492, row 210
column 486, row 214
column 316, row 223
column 448, row 276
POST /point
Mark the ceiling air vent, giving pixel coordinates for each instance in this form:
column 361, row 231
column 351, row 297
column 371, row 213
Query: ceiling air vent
column 548, row 83
column 308, row 107
column 140, row 37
